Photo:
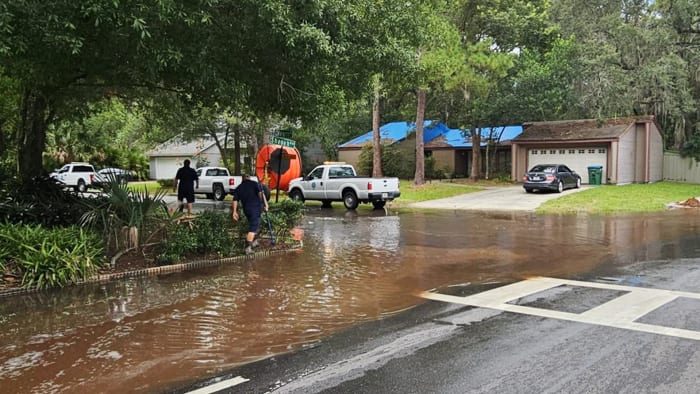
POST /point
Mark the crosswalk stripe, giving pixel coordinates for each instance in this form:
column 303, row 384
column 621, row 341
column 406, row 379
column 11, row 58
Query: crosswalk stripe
column 220, row 386
column 621, row 312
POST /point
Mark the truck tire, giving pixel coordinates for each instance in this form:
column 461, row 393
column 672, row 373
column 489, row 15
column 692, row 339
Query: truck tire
column 378, row 204
column 296, row 195
column 81, row 187
column 350, row 200
column 219, row 193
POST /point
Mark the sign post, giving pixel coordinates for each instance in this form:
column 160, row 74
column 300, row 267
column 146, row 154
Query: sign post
column 283, row 156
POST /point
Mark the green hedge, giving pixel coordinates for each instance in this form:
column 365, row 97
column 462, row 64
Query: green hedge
column 215, row 232
column 45, row 257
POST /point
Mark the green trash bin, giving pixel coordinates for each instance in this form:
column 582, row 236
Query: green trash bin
column 595, row 175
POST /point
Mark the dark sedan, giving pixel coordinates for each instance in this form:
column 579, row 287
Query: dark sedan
column 555, row 177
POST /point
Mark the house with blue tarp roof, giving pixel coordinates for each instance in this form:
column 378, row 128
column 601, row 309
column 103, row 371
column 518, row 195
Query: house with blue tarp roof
column 451, row 149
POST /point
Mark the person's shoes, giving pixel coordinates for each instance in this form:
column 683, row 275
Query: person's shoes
column 249, row 250
column 255, row 243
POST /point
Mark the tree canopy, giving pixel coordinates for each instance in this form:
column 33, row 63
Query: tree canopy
column 321, row 63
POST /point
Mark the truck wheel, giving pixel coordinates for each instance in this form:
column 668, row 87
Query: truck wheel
column 81, row 187
column 350, row 200
column 379, row 204
column 295, row 195
column 219, row 193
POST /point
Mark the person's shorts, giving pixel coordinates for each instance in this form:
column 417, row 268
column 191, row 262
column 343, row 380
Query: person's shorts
column 253, row 221
column 185, row 195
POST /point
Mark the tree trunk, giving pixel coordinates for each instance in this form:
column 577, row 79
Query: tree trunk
column 419, row 178
column 31, row 136
column 487, row 171
column 237, row 149
column 376, row 137
column 476, row 154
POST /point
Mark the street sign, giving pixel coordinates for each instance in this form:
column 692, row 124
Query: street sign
column 282, row 141
column 286, row 133
column 287, row 156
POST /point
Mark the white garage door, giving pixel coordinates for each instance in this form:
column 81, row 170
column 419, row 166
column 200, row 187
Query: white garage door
column 578, row 159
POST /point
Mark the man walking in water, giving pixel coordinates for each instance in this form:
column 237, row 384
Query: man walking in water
column 185, row 181
column 251, row 196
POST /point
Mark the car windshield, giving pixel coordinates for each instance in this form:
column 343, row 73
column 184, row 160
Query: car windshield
column 545, row 169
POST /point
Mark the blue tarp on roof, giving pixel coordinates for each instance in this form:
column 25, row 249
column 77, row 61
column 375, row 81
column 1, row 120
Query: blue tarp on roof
column 398, row 131
column 434, row 132
column 456, row 138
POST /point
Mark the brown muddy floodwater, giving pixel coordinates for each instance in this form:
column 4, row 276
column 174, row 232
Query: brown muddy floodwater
column 152, row 334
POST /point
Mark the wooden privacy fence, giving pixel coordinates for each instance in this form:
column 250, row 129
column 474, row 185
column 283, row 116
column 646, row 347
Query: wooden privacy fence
column 681, row 169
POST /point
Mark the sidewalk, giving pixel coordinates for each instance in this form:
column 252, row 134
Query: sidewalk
column 509, row 198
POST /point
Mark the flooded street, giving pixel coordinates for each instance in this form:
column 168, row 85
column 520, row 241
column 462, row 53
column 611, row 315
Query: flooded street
column 155, row 333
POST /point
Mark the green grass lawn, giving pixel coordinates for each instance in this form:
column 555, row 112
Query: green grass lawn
column 411, row 193
column 627, row 198
column 151, row 186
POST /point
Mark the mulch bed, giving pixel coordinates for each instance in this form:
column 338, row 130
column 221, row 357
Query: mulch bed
column 139, row 261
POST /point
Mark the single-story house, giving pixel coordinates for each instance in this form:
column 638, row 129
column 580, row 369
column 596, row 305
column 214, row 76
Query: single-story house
column 451, row 149
column 167, row 157
column 629, row 150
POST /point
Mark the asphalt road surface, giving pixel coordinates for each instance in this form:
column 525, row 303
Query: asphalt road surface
column 448, row 346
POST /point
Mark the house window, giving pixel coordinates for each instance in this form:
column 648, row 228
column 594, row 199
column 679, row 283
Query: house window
column 543, row 152
column 601, row 150
column 552, row 152
column 428, row 153
column 534, row 151
column 562, row 151
column 591, row 151
column 581, row 151
column 572, row 151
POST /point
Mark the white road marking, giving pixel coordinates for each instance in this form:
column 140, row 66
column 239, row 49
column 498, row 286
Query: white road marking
column 620, row 312
column 220, row 386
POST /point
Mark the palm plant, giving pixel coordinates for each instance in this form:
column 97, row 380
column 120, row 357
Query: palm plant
column 128, row 219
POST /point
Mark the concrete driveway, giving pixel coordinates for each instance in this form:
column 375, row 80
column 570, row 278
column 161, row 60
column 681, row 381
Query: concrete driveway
column 509, row 198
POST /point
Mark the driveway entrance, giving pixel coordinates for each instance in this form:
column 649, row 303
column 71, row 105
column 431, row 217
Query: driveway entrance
column 510, row 198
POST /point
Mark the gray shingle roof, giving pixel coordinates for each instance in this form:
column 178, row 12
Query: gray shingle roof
column 574, row 130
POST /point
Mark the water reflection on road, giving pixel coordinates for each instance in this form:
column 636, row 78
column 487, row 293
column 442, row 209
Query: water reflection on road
column 148, row 334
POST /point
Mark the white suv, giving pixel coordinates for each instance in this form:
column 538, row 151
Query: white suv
column 79, row 176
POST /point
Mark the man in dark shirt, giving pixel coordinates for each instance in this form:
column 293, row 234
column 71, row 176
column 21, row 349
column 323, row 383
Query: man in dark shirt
column 251, row 196
column 185, row 181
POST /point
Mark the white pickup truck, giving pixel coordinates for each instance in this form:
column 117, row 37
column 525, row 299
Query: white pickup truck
column 216, row 182
column 339, row 182
column 79, row 176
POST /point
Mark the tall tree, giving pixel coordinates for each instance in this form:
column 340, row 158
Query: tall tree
column 280, row 57
column 437, row 59
column 492, row 34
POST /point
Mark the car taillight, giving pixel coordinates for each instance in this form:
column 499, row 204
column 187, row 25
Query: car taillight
column 369, row 185
column 231, row 181
column 524, row 178
column 92, row 178
column 550, row 178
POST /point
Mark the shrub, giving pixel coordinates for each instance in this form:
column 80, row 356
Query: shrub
column 43, row 202
column 46, row 257
column 215, row 233
column 395, row 162
column 126, row 208
column 209, row 234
